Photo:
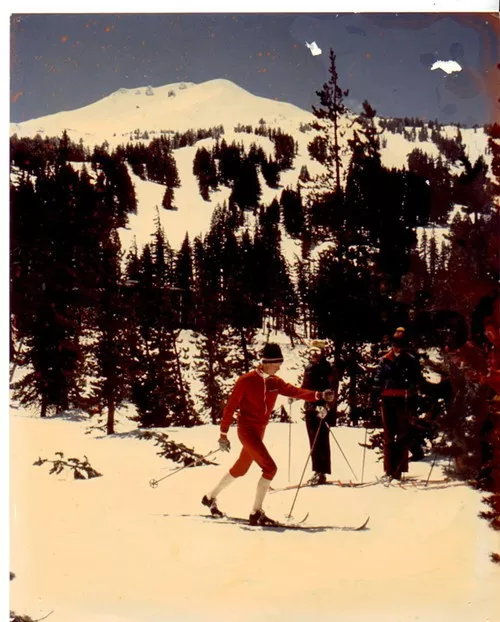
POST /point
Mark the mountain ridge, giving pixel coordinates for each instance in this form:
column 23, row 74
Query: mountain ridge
column 178, row 106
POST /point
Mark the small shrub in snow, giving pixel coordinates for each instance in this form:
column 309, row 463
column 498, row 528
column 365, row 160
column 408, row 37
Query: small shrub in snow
column 81, row 468
column 178, row 452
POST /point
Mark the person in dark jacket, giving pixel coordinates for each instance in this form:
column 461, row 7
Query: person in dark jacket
column 320, row 375
column 397, row 379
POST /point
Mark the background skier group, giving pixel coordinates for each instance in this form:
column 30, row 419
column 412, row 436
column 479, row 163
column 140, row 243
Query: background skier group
column 396, row 383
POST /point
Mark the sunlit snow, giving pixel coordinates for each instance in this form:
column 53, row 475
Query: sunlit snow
column 115, row 549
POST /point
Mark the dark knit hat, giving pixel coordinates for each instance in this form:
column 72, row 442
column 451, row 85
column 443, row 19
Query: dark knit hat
column 272, row 353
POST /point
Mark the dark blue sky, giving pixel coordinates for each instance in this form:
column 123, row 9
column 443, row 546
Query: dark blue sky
column 62, row 61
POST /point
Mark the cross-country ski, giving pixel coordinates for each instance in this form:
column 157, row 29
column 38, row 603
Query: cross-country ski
column 281, row 525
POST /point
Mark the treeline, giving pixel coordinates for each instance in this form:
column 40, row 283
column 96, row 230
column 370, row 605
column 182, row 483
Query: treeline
column 94, row 328
column 98, row 328
column 231, row 166
column 177, row 140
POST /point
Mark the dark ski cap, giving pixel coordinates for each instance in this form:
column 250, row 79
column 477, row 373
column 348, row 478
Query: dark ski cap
column 272, row 353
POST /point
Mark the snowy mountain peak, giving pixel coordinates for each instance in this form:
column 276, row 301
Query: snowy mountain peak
column 173, row 107
column 149, row 91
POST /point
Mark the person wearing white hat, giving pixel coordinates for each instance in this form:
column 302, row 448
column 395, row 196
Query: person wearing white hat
column 320, row 375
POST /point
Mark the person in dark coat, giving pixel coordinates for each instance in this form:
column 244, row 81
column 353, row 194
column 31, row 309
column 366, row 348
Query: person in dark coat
column 397, row 379
column 320, row 375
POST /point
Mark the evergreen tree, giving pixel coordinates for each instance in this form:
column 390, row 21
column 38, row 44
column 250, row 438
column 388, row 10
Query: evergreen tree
column 168, row 199
column 436, row 175
column 363, row 201
column 230, row 160
column 115, row 185
column 50, row 273
column 328, row 121
column 318, row 149
column 276, row 289
column 493, row 133
column 184, row 281
column 111, row 355
column 284, row 150
column 160, row 163
column 205, row 170
column 210, row 342
column 159, row 390
column 270, row 213
column 246, row 190
column 304, row 175
column 423, row 135
column 270, row 171
column 293, row 212
column 241, row 305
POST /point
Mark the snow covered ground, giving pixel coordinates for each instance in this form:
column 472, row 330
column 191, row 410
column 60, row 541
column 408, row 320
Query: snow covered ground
column 114, row 549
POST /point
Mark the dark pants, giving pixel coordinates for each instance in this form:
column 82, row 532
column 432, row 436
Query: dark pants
column 321, row 453
column 395, row 416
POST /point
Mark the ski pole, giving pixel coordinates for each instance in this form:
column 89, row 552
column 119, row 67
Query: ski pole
column 305, row 467
column 154, row 482
column 341, row 451
column 290, row 401
column 432, row 467
column 435, row 451
column 364, row 454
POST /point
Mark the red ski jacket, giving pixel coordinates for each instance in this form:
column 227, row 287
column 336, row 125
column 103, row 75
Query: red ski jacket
column 255, row 396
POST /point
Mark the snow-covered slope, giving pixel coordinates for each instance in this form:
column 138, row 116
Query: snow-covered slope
column 113, row 549
column 173, row 107
column 183, row 106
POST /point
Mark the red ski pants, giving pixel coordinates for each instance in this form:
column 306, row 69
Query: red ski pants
column 253, row 450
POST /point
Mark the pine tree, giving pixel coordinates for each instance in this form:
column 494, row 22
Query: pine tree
column 284, row 149
column 328, row 122
column 111, row 354
column 239, row 300
column 160, row 390
column 205, row 170
column 168, row 199
column 270, row 171
column 493, row 133
column 293, row 212
column 246, row 190
column 433, row 258
column 230, row 159
column 184, row 281
column 277, row 294
column 210, row 341
column 304, row 175
column 51, row 326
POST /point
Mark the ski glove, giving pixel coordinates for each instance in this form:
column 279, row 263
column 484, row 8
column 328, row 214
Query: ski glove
column 328, row 395
column 322, row 412
column 224, row 444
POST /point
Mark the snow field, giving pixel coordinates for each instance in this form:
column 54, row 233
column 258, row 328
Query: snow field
column 114, row 549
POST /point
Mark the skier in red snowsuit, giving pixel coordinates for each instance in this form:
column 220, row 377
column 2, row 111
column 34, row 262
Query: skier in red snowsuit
column 254, row 395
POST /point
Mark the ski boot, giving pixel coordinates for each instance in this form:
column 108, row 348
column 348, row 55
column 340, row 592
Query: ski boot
column 212, row 506
column 259, row 518
column 318, row 479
